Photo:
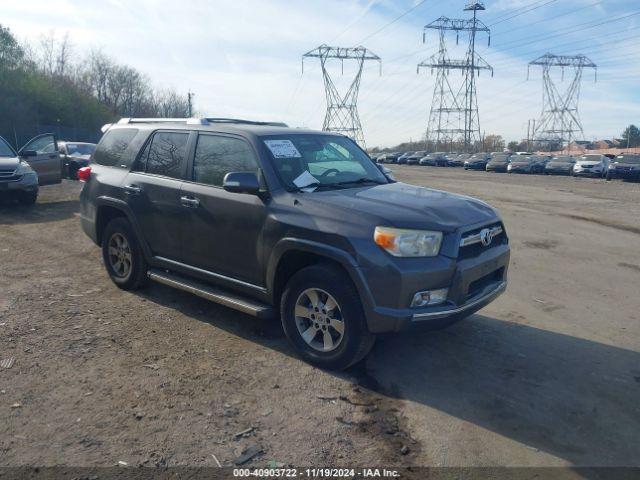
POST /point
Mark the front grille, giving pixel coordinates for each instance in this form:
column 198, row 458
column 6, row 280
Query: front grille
column 5, row 173
column 476, row 249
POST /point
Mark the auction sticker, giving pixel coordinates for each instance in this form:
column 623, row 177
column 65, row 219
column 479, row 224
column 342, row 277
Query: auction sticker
column 282, row 148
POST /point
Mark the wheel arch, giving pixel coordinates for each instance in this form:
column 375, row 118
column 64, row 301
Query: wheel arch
column 109, row 208
column 291, row 255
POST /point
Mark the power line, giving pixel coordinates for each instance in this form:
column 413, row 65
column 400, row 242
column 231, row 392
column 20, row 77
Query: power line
column 393, row 21
column 522, row 13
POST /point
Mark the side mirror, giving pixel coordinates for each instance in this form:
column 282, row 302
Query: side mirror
column 28, row 153
column 241, row 182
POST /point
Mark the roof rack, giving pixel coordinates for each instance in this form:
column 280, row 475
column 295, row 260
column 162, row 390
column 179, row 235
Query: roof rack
column 198, row 121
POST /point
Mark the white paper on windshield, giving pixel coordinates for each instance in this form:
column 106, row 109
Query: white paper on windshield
column 282, row 148
column 306, row 182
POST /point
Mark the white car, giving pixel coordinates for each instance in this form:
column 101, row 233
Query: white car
column 592, row 165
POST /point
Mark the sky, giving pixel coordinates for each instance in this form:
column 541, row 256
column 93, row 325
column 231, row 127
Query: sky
column 242, row 58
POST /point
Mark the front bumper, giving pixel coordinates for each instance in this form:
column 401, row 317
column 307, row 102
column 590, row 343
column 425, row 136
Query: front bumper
column 587, row 172
column 624, row 174
column 20, row 183
column 497, row 168
column 558, row 171
column 519, row 170
column 473, row 284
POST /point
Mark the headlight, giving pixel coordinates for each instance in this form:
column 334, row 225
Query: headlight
column 408, row 243
column 24, row 169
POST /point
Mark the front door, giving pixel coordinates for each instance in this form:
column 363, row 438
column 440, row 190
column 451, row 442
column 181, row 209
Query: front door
column 222, row 232
column 152, row 191
column 42, row 154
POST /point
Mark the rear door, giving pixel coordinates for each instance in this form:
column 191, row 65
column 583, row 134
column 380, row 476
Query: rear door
column 42, row 154
column 152, row 190
column 223, row 230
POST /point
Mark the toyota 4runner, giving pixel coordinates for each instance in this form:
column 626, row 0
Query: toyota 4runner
column 300, row 224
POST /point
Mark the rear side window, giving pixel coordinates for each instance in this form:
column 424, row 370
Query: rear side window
column 113, row 145
column 216, row 156
column 165, row 155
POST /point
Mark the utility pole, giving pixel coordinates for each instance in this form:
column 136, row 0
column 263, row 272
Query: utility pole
column 190, row 96
column 454, row 111
column 560, row 119
column 342, row 110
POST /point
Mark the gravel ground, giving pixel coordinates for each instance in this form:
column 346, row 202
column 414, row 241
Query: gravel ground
column 549, row 374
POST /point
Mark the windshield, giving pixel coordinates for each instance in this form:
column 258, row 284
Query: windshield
column 564, row 160
column 634, row 159
column 500, row 158
column 590, row 158
column 321, row 161
column 80, row 148
column 5, row 149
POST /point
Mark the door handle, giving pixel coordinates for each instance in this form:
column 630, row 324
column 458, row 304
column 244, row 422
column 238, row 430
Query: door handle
column 189, row 202
column 132, row 190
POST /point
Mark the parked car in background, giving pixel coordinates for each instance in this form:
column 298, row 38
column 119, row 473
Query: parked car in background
column 402, row 159
column 41, row 153
column 562, row 165
column 431, row 160
column 591, row 165
column 477, row 161
column 532, row 164
column 499, row 162
column 625, row 166
column 278, row 222
column 442, row 159
column 74, row 155
column 389, row 158
column 18, row 180
column 458, row 160
column 416, row 157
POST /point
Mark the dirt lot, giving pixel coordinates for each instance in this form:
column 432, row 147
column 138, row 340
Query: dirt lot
column 549, row 374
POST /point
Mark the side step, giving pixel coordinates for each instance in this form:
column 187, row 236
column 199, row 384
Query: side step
column 217, row 295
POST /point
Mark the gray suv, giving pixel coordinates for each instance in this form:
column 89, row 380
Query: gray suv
column 289, row 223
column 37, row 163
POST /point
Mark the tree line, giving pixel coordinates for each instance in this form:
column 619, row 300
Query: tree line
column 51, row 84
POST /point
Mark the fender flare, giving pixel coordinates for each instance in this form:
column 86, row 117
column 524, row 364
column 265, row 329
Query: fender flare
column 289, row 244
column 104, row 201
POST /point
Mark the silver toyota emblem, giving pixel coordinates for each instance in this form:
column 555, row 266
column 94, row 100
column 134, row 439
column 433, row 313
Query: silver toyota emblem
column 485, row 237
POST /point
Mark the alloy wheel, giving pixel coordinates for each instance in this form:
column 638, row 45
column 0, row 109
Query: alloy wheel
column 319, row 320
column 120, row 255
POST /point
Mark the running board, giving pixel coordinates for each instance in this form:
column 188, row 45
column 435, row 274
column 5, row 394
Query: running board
column 217, row 295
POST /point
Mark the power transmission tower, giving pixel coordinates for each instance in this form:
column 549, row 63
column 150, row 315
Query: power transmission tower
column 560, row 121
column 454, row 112
column 342, row 110
column 190, row 96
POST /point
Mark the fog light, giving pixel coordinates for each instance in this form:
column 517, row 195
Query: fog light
column 429, row 298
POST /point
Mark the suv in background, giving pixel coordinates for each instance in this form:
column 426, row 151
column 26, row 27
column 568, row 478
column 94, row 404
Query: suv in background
column 477, row 161
column 592, row 165
column 562, row 165
column 625, row 166
column 36, row 163
column 296, row 223
column 499, row 162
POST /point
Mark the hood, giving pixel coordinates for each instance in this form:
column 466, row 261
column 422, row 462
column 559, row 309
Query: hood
column 520, row 163
column 588, row 163
column 406, row 206
column 499, row 162
column 7, row 163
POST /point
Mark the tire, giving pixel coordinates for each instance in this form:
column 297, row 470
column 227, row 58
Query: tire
column 135, row 276
column 355, row 342
column 28, row 198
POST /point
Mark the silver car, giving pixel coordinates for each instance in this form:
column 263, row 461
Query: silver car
column 592, row 165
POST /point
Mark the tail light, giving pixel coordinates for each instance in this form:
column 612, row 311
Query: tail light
column 84, row 174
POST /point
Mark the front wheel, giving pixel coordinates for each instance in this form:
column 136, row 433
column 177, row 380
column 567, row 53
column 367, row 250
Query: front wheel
column 123, row 256
column 323, row 319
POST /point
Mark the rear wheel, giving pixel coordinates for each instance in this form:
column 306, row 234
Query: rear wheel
column 323, row 319
column 122, row 255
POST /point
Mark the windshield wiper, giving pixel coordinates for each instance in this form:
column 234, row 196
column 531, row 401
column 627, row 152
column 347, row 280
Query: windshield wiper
column 360, row 181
